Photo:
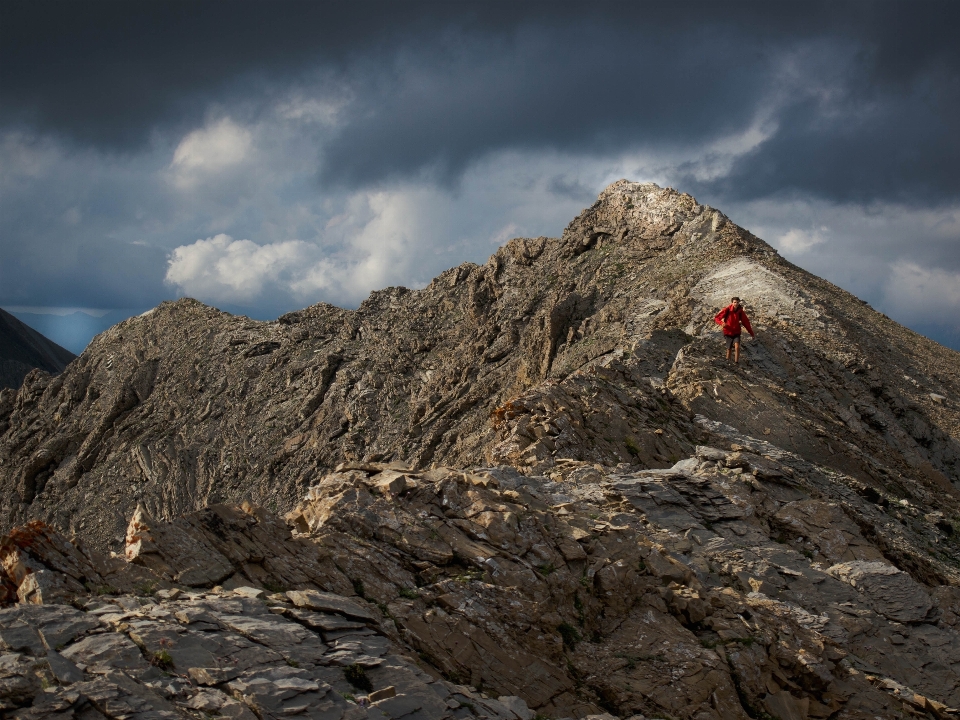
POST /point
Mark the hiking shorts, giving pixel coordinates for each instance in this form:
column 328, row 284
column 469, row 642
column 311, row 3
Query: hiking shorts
column 731, row 339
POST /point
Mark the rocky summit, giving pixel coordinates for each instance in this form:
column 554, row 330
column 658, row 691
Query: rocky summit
column 533, row 488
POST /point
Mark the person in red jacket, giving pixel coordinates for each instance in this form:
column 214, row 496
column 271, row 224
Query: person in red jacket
column 730, row 318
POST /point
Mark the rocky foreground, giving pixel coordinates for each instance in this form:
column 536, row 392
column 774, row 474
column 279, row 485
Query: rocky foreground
column 736, row 584
column 532, row 489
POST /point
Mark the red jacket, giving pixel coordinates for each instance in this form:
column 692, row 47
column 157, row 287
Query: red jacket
column 731, row 318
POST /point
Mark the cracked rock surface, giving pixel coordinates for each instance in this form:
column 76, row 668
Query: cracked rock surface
column 448, row 593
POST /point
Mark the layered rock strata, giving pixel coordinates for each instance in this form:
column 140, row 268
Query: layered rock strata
column 729, row 585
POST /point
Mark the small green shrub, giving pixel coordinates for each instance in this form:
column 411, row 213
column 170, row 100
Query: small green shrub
column 358, row 588
column 357, row 677
column 147, row 587
column 162, row 659
column 570, row 635
column 546, row 568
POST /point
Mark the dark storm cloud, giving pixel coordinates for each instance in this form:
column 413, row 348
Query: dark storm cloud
column 437, row 85
column 263, row 156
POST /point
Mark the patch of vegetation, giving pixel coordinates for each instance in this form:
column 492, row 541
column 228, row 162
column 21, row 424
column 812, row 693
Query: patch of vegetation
column 632, row 446
column 148, row 587
column 385, row 610
column 546, row 568
column 357, row 677
column 100, row 589
column 409, row 594
column 273, row 587
column 468, row 576
column 293, row 663
column 571, row 636
column 162, row 659
column 578, row 605
column 745, row 641
column 632, row 660
column 358, row 588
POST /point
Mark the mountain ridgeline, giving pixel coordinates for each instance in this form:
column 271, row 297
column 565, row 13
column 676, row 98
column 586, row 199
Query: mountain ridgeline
column 534, row 486
column 598, row 346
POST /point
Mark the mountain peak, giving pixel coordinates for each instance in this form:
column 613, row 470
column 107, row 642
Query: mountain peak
column 423, row 376
column 548, row 454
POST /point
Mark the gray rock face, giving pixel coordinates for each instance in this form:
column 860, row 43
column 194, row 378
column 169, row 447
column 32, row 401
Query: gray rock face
column 252, row 662
column 647, row 592
column 889, row 591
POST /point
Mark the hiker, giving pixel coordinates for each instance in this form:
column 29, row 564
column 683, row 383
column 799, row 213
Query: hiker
column 730, row 318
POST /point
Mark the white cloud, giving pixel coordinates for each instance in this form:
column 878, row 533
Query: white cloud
column 796, row 241
column 319, row 110
column 73, row 216
column 216, row 147
column 25, row 158
column 305, row 243
column 924, row 295
column 222, row 269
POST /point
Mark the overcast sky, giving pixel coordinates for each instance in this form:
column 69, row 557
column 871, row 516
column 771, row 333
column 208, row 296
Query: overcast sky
column 264, row 156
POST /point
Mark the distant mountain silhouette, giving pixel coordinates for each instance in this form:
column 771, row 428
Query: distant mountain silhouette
column 22, row 349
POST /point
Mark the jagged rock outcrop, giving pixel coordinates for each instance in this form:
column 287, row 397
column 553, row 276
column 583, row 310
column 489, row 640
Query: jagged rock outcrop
column 22, row 349
column 635, row 593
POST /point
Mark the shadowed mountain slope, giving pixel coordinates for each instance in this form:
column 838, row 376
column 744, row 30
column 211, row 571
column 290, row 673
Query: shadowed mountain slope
column 22, row 349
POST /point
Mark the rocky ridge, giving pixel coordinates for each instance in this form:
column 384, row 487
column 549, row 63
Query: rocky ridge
column 598, row 346
column 537, row 478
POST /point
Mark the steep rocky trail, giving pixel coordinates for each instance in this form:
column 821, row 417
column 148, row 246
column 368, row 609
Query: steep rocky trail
column 598, row 346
